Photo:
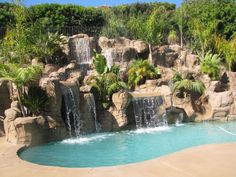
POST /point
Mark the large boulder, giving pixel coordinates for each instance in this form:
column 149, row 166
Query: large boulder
column 221, row 103
column 191, row 61
column 4, row 96
column 121, row 100
column 116, row 117
column 121, row 50
column 112, row 119
column 32, row 130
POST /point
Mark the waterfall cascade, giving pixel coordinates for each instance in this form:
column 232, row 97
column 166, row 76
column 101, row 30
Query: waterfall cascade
column 92, row 107
column 108, row 54
column 81, row 50
column 149, row 112
column 72, row 121
column 113, row 54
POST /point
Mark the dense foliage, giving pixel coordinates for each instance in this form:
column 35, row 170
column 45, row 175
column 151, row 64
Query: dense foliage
column 210, row 65
column 186, row 86
column 141, row 70
column 35, row 99
column 107, row 82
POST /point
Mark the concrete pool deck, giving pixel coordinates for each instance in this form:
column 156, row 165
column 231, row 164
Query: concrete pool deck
column 217, row 160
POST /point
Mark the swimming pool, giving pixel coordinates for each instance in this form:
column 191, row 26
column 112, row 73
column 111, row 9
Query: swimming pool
column 110, row 149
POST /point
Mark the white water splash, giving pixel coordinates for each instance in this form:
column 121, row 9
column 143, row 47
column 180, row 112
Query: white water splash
column 151, row 130
column 86, row 140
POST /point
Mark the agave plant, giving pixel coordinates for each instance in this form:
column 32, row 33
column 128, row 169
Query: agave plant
column 210, row 65
column 141, row 70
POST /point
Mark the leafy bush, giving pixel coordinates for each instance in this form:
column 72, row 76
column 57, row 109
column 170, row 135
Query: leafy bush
column 227, row 49
column 210, row 65
column 48, row 48
column 107, row 82
column 141, row 70
column 187, row 85
column 172, row 37
column 20, row 76
column 35, row 99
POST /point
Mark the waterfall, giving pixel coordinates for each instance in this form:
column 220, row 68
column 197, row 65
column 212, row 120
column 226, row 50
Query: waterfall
column 149, row 112
column 179, row 119
column 82, row 51
column 71, row 109
column 92, row 106
column 108, row 54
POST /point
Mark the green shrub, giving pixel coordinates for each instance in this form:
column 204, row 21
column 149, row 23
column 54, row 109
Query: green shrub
column 141, row 70
column 210, row 65
column 188, row 85
column 107, row 82
column 35, row 99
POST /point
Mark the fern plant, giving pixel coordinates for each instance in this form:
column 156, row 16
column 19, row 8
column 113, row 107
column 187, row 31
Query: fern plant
column 210, row 65
column 187, row 85
column 141, row 70
column 35, row 99
column 20, row 76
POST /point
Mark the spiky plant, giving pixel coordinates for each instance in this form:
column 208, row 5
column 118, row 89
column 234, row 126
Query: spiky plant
column 210, row 65
column 141, row 70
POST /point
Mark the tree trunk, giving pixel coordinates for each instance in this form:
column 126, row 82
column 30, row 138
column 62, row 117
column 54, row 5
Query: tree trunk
column 150, row 53
column 181, row 39
column 20, row 103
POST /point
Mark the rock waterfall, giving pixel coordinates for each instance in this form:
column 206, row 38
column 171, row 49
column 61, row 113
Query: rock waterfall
column 71, row 111
column 149, row 112
column 81, row 49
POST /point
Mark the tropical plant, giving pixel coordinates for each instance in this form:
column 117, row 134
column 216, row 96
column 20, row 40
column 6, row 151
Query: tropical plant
column 210, row 65
column 107, row 82
column 227, row 49
column 141, row 70
column 20, row 76
column 100, row 63
column 150, row 28
column 35, row 99
column 48, row 47
column 172, row 37
column 187, row 86
column 203, row 35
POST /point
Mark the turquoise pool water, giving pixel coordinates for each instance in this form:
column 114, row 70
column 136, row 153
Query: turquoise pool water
column 109, row 149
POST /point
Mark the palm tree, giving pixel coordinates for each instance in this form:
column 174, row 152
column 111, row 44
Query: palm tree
column 210, row 65
column 141, row 70
column 20, row 76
